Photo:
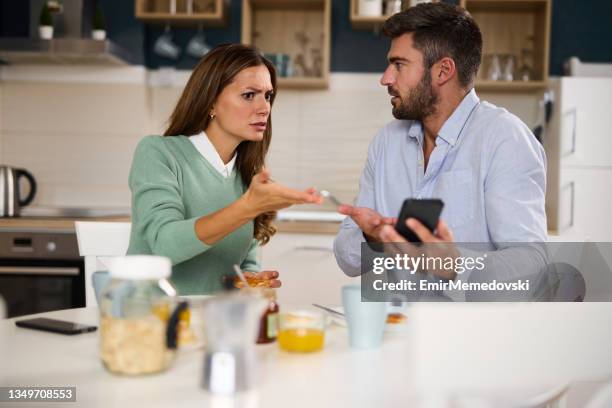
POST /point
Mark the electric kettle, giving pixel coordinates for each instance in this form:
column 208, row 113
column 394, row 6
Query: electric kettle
column 10, row 199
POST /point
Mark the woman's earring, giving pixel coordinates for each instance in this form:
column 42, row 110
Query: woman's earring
column 212, row 115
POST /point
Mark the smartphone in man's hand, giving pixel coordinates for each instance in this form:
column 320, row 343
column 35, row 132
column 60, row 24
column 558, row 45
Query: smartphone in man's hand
column 427, row 211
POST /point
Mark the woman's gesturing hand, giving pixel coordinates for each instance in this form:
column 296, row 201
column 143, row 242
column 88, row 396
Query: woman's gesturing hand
column 266, row 195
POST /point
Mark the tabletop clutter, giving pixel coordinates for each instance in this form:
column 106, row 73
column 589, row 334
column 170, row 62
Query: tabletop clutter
column 143, row 323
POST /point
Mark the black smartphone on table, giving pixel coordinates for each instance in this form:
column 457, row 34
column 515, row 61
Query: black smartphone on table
column 55, row 326
column 427, row 211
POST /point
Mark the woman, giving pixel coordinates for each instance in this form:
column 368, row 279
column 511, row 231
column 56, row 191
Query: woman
column 200, row 194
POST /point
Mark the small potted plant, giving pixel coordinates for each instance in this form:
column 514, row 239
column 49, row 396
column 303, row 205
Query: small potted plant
column 98, row 31
column 45, row 27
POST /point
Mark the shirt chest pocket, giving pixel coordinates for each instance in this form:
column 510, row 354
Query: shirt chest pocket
column 456, row 189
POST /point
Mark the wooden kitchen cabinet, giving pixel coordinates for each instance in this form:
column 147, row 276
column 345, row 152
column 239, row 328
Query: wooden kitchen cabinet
column 307, row 268
column 297, row 32
column 508, row 27
column 208, row 12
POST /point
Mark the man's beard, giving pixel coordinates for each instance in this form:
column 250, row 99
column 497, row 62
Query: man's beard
column 421, row 101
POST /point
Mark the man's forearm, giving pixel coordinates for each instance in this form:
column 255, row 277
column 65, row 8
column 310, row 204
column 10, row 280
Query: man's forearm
column 347, row 250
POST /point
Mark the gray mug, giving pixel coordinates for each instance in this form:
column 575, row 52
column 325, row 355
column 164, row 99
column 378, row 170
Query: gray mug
column 197, row 46
column 165, row 47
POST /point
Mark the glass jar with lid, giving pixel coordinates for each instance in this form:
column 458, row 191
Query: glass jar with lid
column 137, row 325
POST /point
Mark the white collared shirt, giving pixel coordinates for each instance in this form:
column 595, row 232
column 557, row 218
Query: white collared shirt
column 206, row 149
column 487, row 167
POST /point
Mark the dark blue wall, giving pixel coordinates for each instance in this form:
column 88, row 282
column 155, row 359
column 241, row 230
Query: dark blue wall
column 123, row 28
column 14, row 18
column 355, row 50
column 581, row 28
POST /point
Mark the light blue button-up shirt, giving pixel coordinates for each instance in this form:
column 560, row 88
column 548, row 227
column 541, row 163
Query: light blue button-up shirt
column 487, row 167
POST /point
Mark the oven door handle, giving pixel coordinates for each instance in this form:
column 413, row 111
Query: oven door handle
column 38, row 270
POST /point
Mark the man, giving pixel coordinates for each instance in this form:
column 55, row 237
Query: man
column 482, row 161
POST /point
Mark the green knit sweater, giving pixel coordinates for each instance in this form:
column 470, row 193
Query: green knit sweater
column 172, row 186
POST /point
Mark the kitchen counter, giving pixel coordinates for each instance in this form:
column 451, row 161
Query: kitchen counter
column 53, row 223
column 307, row 227
column 67, row 224
column 61, row 219
column 309, row 222
column 285, row 224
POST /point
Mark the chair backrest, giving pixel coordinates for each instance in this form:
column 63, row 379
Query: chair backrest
column 98, row 243
column 603, row 397
column 466, row 347
column 593, row 260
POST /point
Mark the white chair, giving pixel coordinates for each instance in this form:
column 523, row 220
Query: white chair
column 603, row 398
column 466, row 349
column 98, row 243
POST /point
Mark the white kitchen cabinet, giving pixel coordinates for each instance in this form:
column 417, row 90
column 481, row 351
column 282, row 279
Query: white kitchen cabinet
column 584, row 203
column 585, row 119
column 307, row 268
column 579, row 151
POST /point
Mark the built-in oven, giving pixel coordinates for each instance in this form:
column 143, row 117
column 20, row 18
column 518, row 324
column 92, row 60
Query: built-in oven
column 40, row 271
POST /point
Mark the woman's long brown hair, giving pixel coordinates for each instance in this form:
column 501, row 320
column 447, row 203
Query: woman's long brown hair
column 192, row 113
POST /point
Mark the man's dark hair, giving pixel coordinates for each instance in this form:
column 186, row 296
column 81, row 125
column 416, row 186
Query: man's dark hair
column 441, row 30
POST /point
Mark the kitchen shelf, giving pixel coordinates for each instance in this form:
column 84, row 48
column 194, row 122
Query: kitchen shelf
column 302, row 82
column 518, row 86
column 299, row 30
column 508, row 27
column 366, row 22
column 371, row 22
column 210, row 12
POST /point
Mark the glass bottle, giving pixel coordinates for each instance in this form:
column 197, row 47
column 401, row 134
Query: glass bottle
column 525, row 71
column 508, row 68
column 268, row 326
column 494, row 70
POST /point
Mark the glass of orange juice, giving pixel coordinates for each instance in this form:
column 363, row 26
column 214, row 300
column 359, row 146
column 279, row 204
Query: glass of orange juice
column 301, row 331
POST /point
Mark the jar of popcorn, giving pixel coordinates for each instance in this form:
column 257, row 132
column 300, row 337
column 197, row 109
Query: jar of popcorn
column 137, row 320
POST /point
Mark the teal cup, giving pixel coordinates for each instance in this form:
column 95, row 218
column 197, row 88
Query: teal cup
column 366, row 320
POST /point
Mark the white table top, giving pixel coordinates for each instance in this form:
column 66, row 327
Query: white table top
column 336, row 376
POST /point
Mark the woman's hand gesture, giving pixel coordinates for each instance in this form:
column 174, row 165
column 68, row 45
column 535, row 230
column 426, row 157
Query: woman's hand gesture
column 265, row 195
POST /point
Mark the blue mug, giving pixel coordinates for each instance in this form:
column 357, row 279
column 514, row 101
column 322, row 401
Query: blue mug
column 365, row 320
